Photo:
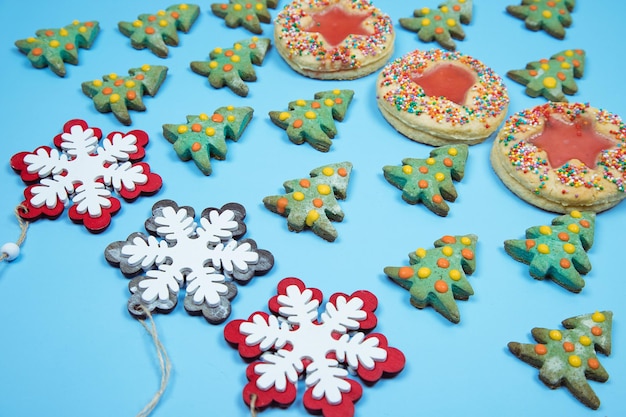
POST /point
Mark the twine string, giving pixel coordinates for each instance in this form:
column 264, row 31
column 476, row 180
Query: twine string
column 164, row 363
column 253, row 398
column 23, row 228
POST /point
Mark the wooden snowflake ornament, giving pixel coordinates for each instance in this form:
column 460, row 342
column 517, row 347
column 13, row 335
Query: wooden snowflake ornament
column 297, row 341
column 158, row 30
column 118, row 94
column 83, row 172
column 204, row 257
column 55, row 47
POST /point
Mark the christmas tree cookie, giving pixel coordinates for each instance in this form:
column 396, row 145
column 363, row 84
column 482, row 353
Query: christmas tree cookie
column 557, row 252
column 54, row 47
column 568, row 357
column 118, row 94
column 313, row 121
column 554, row 77
column 246, row 13
column 430, row 181
column 549, row 15
column 203, row 136
column 442, row 24
column 156, row 31
column 312, row 202
column 233, row 66
column 437, row 277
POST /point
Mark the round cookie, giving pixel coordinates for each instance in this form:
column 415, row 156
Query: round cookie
column 440, row 98
column 563, row 157
column 333, row 39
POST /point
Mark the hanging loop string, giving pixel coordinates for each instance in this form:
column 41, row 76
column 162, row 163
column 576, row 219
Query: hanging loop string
column 11, row 251
column 253, row 398
column 164, row 363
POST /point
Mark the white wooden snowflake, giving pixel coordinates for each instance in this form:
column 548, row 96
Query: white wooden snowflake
column 83, row 172
column 325, row 350
column 207, row 258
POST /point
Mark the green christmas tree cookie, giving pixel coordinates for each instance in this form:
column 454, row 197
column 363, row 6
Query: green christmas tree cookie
column 203, row 136
column 549, row 15
column 246, row 13
column 156, row 31
column 437, row 277
column 234, row 65
column 119, row 94
column 430, row 181
column 442, row 24
column 554, row 77
column 53, row 47
column 313, row 121
column 557, row 252
column 568, row 357
column 311, row 203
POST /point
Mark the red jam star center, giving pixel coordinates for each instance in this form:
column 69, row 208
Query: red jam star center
column 446, row 80
column 336, row 23
column 563, row 141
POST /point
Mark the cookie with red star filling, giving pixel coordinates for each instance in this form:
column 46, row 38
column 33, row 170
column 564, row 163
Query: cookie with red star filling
column 334, row 39
column 563, row 157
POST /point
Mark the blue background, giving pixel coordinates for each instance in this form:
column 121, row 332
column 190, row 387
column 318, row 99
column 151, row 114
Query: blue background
column 68, row 347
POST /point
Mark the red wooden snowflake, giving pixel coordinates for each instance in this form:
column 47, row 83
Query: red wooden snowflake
column 325, row 349
column 83, row 172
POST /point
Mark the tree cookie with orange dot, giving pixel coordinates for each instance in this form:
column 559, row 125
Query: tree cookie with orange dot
column 313, row 121
column 156, row 31
column 118, row 94
column 552, row 16
column 248, row 14
column 334, row 39
column 55, row 47
column 443, row 24
column 554, row 77
column 311, row 203
column 557, row 252
column 204, row 137
column 233, row 66
column 430, row 181
column 438, row 277
column 563, row 157
column 568, row 357
column 441, row 97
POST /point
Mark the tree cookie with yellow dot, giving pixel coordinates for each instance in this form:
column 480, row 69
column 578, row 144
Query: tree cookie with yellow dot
column 248, row 14
column 557, row 252
column 118, row 94
column 554, row 77
column 233, row 66
column 311, row 203
column 437, row 277
column 430, row 181
column 563, row 157
column 442, row 24
column 441, row 97
column 568, row 357
column 552, row 16
column 313, row 121
column 55, row 47
column 158, row 30
column 203, row 137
